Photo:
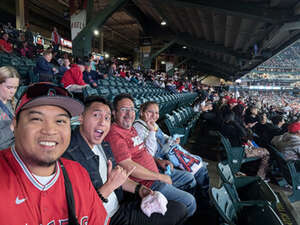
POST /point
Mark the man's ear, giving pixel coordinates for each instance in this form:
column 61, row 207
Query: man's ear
column 80, row 119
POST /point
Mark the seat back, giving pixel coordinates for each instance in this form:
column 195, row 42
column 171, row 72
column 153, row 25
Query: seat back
column 223, row 204
column 234, row 155
column 225, row 173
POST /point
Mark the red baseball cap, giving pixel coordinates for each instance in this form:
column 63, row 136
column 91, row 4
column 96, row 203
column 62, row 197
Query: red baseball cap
column 46, row 93
column 294, row 127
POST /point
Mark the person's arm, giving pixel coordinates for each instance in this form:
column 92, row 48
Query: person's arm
column 6, row 134
column 143, row 173
column 148, row 136
column 131, row 185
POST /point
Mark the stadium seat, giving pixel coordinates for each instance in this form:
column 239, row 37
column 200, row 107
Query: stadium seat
column 251, row 213
column 248, row 187
column 235, row 155
column 290, row 171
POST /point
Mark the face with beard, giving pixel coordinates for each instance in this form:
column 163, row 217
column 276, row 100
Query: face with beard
column 125, row 113
column 42, row 134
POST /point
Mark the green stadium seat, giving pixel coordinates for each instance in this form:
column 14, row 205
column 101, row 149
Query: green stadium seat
column 290, row 171
column 248, row 187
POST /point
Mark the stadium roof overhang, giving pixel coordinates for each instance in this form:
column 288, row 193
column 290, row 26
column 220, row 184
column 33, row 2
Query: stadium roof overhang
column 228, row 38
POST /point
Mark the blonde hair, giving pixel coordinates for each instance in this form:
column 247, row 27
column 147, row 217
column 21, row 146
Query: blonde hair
column 8, row 72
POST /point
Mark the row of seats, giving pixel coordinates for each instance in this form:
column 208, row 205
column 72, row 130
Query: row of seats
column 166, row 100
column 23, row 65
column 246, row 198
column 182, row 121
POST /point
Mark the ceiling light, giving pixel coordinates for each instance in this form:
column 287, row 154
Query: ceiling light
column 96, row 32
column 106, row 55
column 184, row 47
column 163, row 62
column 163, row 23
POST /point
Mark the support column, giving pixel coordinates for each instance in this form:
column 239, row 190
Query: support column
column 101, row 42
column 20, row 14
column 82, row 42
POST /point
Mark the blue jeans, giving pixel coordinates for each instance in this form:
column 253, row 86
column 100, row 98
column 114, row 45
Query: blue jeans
column 182, row 180
column 202, row 179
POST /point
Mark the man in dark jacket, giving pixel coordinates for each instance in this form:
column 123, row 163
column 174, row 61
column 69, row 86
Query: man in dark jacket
column 108, row 179
column 44, row 68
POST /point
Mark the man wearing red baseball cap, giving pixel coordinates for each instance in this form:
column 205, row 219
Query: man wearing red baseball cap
column 37, row 187
column 289, row 142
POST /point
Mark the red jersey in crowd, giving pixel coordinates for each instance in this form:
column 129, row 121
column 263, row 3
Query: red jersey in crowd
column 25, row 201
column 126, row 144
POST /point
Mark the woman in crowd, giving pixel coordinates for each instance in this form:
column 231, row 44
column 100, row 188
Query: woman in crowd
column 9, row 82
column 158, row 143
column 238, row 137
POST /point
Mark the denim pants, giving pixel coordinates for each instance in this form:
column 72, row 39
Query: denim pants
column 182, row 182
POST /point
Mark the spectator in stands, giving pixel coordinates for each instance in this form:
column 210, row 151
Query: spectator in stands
column 90, row 76
column 159, row 144
column 5, row 46
column 28, row 35
column 25, row 50
column 289, row 142
column 93, row 62
column 129, row 151
column 110, row 180
column 65, row 66
column 102, row 67
column 239, row 137
column 251, row 118
column 34, row 169
column 44, row 68
column 73, row 78
column 55, row 37
column 9, row 82
column 112, row 69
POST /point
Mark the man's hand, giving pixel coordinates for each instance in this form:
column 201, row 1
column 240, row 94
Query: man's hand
column 144, row 191
column 163, row 163
column 117, row 176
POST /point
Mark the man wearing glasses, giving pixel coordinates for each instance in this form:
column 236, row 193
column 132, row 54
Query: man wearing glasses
column 37, row 187
column 129, row 151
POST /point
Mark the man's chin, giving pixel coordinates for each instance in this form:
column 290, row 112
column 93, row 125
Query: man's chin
column 44, row 163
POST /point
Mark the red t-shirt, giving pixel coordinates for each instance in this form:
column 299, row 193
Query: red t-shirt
column 73, row 76
column 26, row 201
column 126, row 144
column 7, row 46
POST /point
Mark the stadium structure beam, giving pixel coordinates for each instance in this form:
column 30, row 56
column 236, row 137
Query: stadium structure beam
column 212, row 62
column 82, row 44
column 171, row 71
column 157, row 53
column 188, row 40
column 254, row 11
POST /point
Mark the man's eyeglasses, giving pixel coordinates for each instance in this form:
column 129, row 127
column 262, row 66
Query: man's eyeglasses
column 128, row 109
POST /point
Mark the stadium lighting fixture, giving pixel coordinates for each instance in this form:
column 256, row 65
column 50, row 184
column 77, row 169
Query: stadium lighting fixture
column 163, row 23
column 106, row 55
column 96, row 32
